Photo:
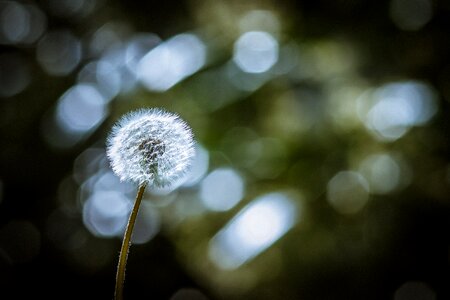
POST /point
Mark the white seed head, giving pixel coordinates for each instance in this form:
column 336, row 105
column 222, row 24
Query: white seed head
column 150, row 146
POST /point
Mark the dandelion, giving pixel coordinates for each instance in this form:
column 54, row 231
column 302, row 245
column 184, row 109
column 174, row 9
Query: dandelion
column 149, row 147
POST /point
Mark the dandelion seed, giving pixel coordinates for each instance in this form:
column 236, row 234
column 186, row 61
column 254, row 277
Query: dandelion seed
column 150, row 146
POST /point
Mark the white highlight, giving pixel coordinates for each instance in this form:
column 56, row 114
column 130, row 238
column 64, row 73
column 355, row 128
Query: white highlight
column 396, row 107
column 106, row 213
column 171, row 62
column 222, row 189
column 81, row 109
column 138, row 46
column 114, row 58
column 254, row 229
column 199, row 167
column 103, row 75
column 255, row 52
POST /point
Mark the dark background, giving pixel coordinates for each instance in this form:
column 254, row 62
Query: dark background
column 396, row 238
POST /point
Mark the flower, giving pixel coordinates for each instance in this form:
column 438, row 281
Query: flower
column 150, row 146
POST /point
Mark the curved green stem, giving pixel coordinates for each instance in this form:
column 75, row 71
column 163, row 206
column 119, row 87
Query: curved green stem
column 126, row 243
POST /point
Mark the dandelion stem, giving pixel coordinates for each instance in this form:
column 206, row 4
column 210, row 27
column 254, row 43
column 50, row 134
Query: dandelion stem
column 126, row 243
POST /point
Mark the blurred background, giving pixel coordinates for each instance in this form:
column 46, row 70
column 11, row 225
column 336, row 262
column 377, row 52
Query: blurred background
column 322, row 166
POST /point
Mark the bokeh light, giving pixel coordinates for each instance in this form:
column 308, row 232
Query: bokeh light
column 396, row 107
column 243, row 81
column 222, row 189
column 71, row 8
column 255, row 228
column 106, row 36
column 105, row 213
column 255, row 52
column 106, row 180
column 259, row 19
column 383, row 173
column 59, row 52
column 137, row 47
column 171, row 62
column 148, row 224
column 114, row 59
column 81, row 109
column 414, row 290
column 106, row 202
column 411, row 14
column 347, row 192
column 15, row 22
column 87, row 163
column 199, row 167
column 103, row 75
column 20, row 23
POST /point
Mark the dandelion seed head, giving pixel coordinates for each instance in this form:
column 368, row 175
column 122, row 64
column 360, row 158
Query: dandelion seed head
column 150, row 146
